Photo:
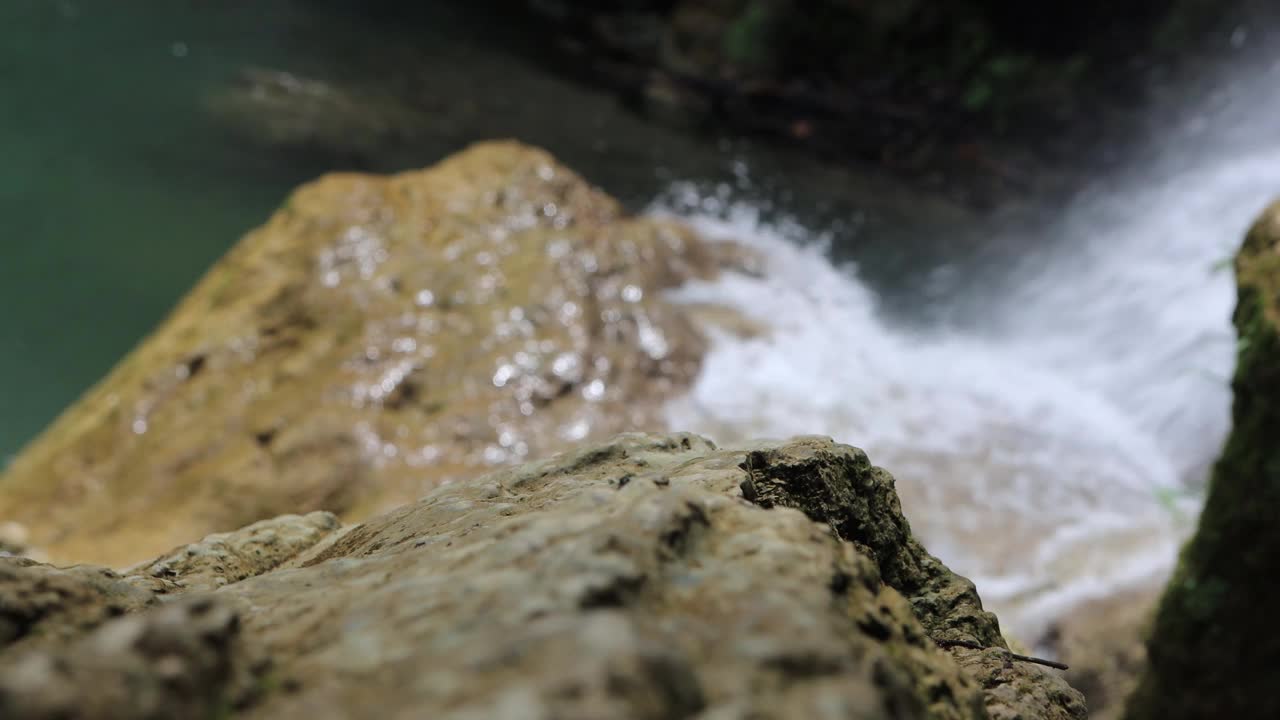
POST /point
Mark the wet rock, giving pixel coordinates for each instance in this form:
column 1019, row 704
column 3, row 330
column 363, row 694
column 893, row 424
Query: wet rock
column 1212, row 652
column 377, row 337
column 651, row 576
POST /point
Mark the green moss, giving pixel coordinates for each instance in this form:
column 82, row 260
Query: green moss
column 1212, row 650
column 221, row 710
column 979, row 96
column 749, row 39
column 843, row 489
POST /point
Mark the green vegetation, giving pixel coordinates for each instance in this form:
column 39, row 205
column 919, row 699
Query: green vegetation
column 1212, row 651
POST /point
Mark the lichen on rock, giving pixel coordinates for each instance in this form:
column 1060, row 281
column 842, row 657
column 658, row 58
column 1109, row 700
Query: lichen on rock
column 651, row 576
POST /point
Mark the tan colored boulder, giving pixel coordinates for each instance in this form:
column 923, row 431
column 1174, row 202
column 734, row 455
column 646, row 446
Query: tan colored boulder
column 652, row 576
column 377, row 337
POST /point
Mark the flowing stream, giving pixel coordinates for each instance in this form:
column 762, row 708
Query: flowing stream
column 1052, row 428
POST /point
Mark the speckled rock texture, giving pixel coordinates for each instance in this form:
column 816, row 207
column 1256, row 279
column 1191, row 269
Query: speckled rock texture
column 377, row 337
column 651, row 576
column 1212, row 652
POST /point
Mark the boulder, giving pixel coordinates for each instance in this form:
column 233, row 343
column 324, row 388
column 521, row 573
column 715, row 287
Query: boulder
column 650, row 576
column 377, row 337
column 1210, row 653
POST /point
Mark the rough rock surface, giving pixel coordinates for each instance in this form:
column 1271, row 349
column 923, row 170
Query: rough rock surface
column 378, row 336
column 183, row 660
column 652, row 576
column 230, row 557
column 1213, row 652
column 39, row 602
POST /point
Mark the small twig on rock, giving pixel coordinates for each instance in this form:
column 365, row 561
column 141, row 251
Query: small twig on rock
column 1014, row 655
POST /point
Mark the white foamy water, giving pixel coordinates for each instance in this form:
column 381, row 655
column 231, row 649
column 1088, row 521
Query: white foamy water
column 1046, row 452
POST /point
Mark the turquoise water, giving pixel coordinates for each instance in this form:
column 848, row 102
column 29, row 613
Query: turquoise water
column 118, row 189
column 116, row 193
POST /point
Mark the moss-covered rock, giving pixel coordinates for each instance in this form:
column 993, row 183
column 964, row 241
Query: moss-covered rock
column 650, row 576
column 377, row 337
column 1213, row 652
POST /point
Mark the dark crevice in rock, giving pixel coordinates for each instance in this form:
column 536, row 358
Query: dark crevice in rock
column 618, row 592
column 194, row 365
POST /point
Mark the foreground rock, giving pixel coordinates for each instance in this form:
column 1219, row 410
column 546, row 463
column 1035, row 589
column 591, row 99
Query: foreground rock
column 379, row 336
column 1213, row 652
column 648, row 577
